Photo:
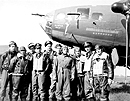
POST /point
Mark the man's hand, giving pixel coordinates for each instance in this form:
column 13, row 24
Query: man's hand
column 109, row 81
column 91, row 80
column 72, row 77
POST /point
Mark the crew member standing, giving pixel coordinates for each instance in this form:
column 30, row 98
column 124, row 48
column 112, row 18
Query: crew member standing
column 29, row 56
column 87, row 83
column 102, row 73
column 5, row 67
column 52, row 89
column 50, row 53
column 40, row 74
column 64, row 72
column 79, row 80
column 20, row 75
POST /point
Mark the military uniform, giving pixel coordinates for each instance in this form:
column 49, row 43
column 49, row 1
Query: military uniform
column 87, row 85
column 101, row 71
column 41, row 75
column 87, row 65
column 29, row 56
column 53, row 80
column 77, row 85
column 80, row 75
column 64, row 71
column 6, row 70
column 20, row 76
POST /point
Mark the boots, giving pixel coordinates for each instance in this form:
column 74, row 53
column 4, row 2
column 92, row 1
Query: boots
column 59, row 100
column 91, row 99
column 23, row 99
column 45, row 99
column 35, row 99
column 14, row 99
column 50, row 99
column 67, row 99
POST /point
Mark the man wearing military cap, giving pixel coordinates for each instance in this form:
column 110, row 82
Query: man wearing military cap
column 38, row 46
column 31, row 47
column 52, row 89
column 41, row 72
column 64, row 72
column 48, row 42
column 50, row 53
column 49, row 50
column 20, row 75
column 87, row 44
column 58, row 49
column 87, row 64
column 102, row 72
column 5, row 67
column 78, row 82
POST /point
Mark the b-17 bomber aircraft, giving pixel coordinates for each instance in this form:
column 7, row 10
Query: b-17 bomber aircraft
column 107, row 25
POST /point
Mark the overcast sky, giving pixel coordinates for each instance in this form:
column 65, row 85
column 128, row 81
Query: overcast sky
column 17, row 23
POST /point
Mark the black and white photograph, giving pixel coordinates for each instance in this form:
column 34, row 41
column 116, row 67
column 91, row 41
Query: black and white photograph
column 65, row 50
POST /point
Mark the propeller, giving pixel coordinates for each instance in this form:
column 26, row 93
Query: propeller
column 123, row 8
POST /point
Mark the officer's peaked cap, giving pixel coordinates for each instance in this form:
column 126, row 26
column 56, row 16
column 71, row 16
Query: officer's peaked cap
column 38, row 45
column 77, row 49
column 98, row 46
column 87, row 44
column 48, row 42
column 31, row 45
column 65, row 47
column 22, row 48
column 58, row 45
column 12, row 43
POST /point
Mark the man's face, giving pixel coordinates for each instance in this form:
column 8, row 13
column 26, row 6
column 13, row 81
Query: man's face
column 88, row 49
column 58, row 50
column 23, row 52
column 77, row 53
column 32, row 49
column 12, row 48
column 49, row 47
column 99, row 51
column 65, row 51
column 38, row 50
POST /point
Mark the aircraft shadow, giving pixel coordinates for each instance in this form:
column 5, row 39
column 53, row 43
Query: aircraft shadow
column 123, row 88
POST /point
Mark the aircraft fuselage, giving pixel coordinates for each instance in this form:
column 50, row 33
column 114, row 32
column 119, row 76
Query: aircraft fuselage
column 97, row 24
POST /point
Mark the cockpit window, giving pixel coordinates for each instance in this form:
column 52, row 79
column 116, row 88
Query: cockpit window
column 97, row 16
column 60, row 16
column 84, row 12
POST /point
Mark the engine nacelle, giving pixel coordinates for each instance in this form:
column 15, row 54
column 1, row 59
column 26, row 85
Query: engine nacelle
column 118, row 7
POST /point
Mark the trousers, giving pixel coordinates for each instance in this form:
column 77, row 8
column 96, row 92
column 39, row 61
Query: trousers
column 20, row 87
column 40, row 85
column 5, row 80
column 63, row 85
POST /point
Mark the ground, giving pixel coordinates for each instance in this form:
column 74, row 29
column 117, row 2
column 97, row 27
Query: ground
column 119, row 90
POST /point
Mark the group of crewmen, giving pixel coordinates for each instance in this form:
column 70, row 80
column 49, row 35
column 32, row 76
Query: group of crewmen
column 56, row 75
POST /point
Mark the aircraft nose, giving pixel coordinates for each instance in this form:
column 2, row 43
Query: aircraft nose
column 47, row 24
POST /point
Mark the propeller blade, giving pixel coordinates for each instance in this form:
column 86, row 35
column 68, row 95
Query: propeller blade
column 127, row 37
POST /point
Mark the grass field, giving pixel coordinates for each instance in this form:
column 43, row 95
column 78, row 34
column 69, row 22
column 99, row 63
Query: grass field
column 119, row 90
